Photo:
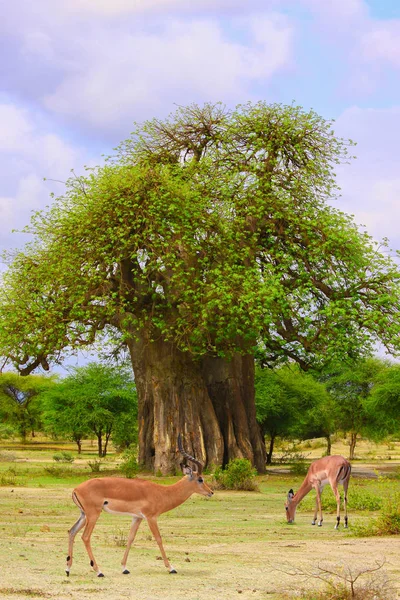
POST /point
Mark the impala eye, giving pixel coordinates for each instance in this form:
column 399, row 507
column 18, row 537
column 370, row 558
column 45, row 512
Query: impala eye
column 200, row 480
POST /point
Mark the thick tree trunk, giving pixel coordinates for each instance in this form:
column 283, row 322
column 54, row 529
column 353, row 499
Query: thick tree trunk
column 172, row 399
column 230, row 384
column 211, row 402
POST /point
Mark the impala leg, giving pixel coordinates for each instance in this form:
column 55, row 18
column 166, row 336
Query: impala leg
column 72, row 533
column 345, row 487
column 156, row 532
column 132, row 534
column 87, row 533
column 315, row 512
column 337, row 496
column 319, row 504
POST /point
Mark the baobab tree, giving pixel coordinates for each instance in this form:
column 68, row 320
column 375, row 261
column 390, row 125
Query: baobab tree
column 204, row 235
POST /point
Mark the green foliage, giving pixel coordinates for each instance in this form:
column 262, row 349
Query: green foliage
column 358, row 499
column 350, row 386
column 129, row 466
column 95, row 465
column 64, row 457
column 137, row 245
column 387, row 523
column 90, row 401
column 125, row 431
column 58, row 471
column 9, row 477
column 20, row 398
column 238, row 475
column 383, row 404
column 291, row 404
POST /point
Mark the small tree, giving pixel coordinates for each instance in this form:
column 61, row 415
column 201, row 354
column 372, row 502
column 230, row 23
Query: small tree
column 350, row 386
column 90, row 400
column 290, row 404
column 20, row 401
column 383, row 404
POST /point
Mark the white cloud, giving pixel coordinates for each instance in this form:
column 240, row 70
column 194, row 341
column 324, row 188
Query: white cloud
column 29, row 151
column 119, row 79
column 371, row 184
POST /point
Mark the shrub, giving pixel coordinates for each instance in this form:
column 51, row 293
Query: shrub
column 65, row 457
column 6, row 456
column 129, row 466
column 358, row 499
column 9, row 477
column 238, row 475
column 95, row 465
column 387, row 523
column 7, row 431
column 299, row 467
column 58, row 471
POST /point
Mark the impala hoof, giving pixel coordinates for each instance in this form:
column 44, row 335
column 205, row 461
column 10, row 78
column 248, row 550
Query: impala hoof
column 67, row 572
column 125, row 572
column 100, row 575
column 173, row 571
column 320, row 524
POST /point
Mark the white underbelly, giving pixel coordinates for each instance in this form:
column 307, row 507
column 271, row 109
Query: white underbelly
column 138, row 515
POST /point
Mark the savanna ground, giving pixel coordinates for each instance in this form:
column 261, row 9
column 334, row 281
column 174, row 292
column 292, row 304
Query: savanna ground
column 235, row 545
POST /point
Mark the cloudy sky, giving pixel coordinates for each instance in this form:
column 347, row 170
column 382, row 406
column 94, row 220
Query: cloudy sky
column 75, row 76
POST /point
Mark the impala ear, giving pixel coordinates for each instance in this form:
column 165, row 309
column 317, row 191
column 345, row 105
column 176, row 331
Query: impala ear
column 290, row 495
column 186, row 470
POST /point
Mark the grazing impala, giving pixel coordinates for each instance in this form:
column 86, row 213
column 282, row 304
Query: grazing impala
column 330, row 469
column 136, row 497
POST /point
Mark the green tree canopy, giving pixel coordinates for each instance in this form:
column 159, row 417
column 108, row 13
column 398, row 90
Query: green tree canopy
column 89, row 402
column 20, row 399
column 291, row 404
column 383, row 403
column 351, row 385
column 207, row 232
column 214, row 253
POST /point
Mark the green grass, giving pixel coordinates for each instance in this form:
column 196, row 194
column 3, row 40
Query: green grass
column 224, row 548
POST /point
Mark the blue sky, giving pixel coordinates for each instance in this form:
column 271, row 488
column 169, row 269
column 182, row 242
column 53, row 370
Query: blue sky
column 75, row 76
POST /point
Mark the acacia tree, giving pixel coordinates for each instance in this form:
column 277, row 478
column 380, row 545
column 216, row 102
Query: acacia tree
column 205, row 233
column 351, row 386
column 20, row 401
column 291, row 404
column 90, row 401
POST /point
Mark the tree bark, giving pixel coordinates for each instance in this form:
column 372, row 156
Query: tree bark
column 230, row 384
column 328, row 445
column 172, row 399
column 353, row 441
column 271, row 449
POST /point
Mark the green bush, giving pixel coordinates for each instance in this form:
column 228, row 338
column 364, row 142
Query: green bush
column 95, row 465
column 357, row 499
column 129, row 466
column 387, row 523
column 58, row 471
column 64, row 457
column 9, row 477
column 237, row 475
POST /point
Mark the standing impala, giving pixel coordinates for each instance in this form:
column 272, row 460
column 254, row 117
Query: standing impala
column 136, row 497
column 330, row 469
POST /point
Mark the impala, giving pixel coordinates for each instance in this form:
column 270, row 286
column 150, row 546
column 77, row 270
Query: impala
column 334, row 470
column 136, row 497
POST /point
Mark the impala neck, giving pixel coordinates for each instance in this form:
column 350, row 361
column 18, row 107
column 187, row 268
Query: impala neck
column 301, row 492
column 177, row 494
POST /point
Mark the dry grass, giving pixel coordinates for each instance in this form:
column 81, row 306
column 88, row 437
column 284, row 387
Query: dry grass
column 222, row 548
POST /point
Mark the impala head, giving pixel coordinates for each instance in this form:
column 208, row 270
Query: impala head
column 194, row 474
column 290, row 507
